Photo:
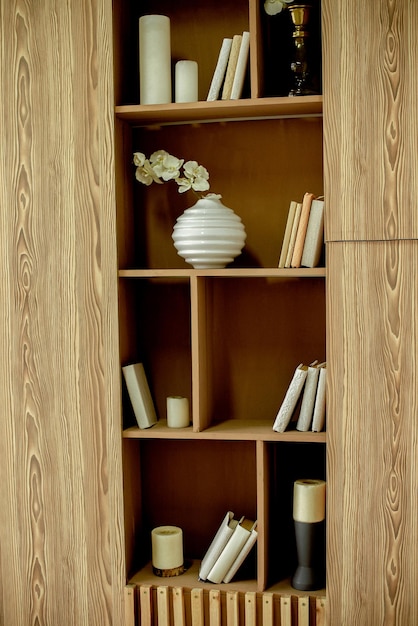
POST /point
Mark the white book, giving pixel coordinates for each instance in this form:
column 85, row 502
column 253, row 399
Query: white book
column 308, row 400
column 218, row 543
column 314, row 239
column 290, row 400
column 318, row 419
column 241, row 556
column 220, row 69
column 231, row 550
column 231, row 67
column 140, row 395
column 287, row 233
column 241, row 67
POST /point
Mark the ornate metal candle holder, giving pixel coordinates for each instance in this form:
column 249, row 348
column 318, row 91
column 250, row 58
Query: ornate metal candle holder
column 301, row 64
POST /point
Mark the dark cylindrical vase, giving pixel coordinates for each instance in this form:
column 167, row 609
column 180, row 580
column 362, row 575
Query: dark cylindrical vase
column 310, row 545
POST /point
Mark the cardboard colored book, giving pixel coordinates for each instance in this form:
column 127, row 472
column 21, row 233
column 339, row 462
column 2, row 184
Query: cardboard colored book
column 231, row 67
column 293, row 234
column 287, row 233
column 302, row 227
column 241, row 67
column 140, row 395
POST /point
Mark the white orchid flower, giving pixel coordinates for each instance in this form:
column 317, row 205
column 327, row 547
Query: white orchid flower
column 198, row 176
column 162, row 167
column 144, row 173
column 272, row 7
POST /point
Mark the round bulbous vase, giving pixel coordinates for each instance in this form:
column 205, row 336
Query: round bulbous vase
column 209, row 235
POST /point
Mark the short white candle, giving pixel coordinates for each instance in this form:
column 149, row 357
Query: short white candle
column 167, row 547
column 154, row 59
column 309, row 500
column 186, row 81
column 177, row 412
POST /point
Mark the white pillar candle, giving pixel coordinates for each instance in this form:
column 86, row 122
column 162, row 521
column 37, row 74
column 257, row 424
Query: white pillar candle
column 309, row 500
column 154, row 59
column 177, row 412
column 167, row 547
column 186, row 81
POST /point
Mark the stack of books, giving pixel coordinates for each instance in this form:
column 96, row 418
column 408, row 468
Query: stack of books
column 231, row 67
column 308, row 384
column 304, row 233
column 229, row 548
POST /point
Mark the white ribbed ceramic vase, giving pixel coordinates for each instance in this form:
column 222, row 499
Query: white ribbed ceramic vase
column 209, row 235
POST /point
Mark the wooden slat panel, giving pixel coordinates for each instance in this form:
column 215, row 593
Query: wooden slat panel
column 197, row 607
column 59, row 391
column 179, row 613
column 303, row 611
column 145, row 597
column 215, row 607
column 321, row 605
column 232, row 608
column 267, row 609
column 129, row 595
column 163, row 606
column 372, row 433
column 370, row 111
column 286, row 611
column 250, row 604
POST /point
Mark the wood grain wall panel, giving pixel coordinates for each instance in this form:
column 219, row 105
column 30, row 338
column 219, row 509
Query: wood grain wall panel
column 370, row 119
column 372, row 574
column 61, row 555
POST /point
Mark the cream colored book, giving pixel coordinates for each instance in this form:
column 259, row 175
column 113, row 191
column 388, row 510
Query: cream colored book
column 241, row 556
column 241, row 67
column 287, row 233
column 220, row 69
column 318, row 420
column 140, row 395
column 293, row 234
column 218, row 543
column 301, row 234
column 231, row 550
column 232, row 64
column 314, row 239
column 308, row 400
column 291, row 398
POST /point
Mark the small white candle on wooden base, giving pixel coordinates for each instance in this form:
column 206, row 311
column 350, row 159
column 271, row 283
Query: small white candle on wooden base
column 167, row 551
column 177, row 412
column 309, row 500
column 186, row 81
column 154, row 59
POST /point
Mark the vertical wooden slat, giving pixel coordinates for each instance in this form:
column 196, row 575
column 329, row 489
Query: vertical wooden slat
column 268, row 609
column 250, row 608
column 215, row 607
column 263, row 487
column 179, row 618
column 232, row 608
column 129, row 597
column 321, row 605
column 303, row 611
column 163, row 608
column 145, row 601
column 197, row 607
column 286, row 611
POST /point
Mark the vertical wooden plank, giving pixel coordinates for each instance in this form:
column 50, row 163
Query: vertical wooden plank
column 232, row 608
column 179, row 613
column 163, row 608
column 286, row 611
column 268, row 609
column 321, row 606
column 145, row 602
column 129, row 597
column 263, row 486
column 250, row 606
column 303, row 611
column 197, row 607
column 215, row 607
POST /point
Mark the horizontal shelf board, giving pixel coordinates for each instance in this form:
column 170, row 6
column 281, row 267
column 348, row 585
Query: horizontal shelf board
column 264, row 272
column 229, row 430
column 251, row 108
column 190, row 580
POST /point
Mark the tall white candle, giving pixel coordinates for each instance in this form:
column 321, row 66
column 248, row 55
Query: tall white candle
column 309, row 500
column 154, row 59
column 186, row 81
column 177, row 412
column 167, row 547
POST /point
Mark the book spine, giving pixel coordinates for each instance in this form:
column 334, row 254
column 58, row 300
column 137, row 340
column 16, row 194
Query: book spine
column 293, row 234
column 287, row 233
column 303, row 225
column 292, row 395
column 232, row 64
column 220, row 69
column 314, row 239
column 241, row 67
column 218, row 543
column 241, row 556
column 318, row 420
column 308, row 400
column 229, row 554
column 140, row 395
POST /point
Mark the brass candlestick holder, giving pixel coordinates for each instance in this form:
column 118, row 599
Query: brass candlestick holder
column 301, row 64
